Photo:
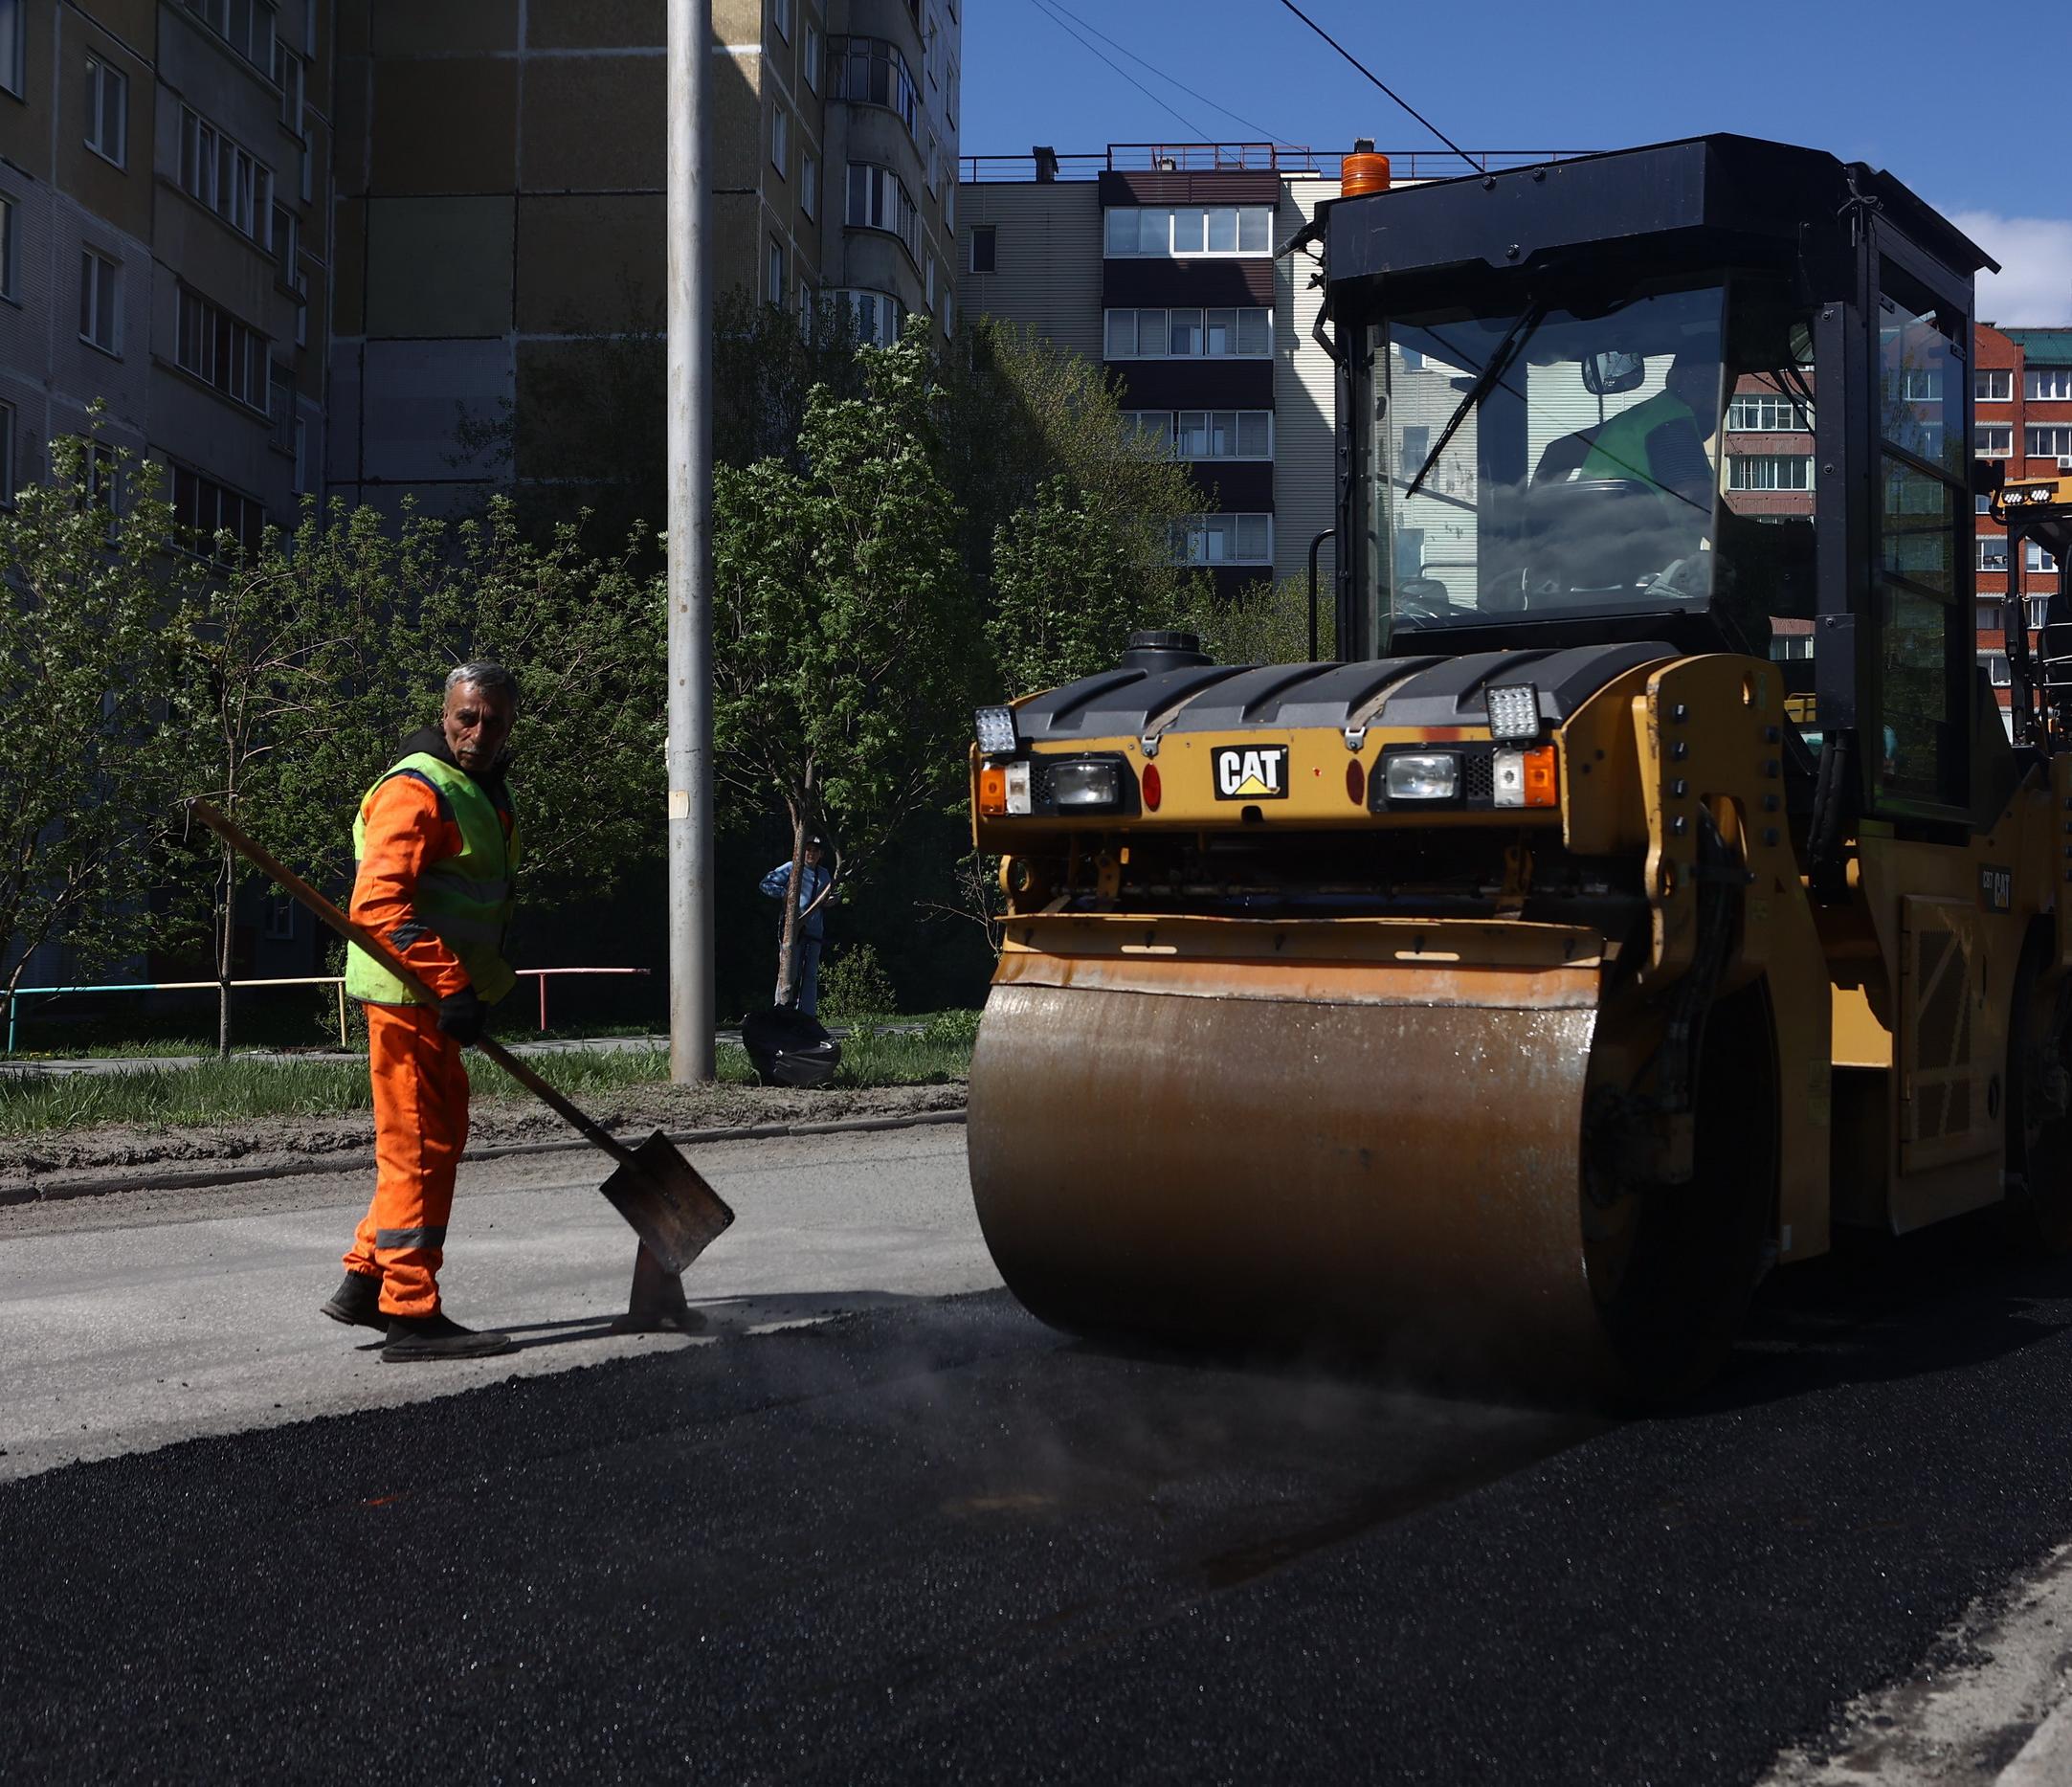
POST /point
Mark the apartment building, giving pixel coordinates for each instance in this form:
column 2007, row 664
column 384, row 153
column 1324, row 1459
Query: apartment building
column 2021, row 406
column 164, row 239
column 501, row 175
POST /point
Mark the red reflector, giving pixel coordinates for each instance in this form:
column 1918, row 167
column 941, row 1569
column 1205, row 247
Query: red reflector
column 1153, row 788
column 1356, row 783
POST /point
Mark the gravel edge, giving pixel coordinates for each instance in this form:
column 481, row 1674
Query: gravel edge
column 52, row 1190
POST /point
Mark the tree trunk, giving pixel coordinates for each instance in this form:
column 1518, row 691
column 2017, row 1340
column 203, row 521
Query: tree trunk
column 788, row 937
column 224, row 940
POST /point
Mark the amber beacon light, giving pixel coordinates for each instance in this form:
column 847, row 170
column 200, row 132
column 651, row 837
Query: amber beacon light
column 1363, row 170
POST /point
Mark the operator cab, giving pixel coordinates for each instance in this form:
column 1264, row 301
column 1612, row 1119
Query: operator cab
column 1714, row 394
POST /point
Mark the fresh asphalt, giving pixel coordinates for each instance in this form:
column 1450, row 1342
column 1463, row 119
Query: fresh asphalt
column 933, row 1540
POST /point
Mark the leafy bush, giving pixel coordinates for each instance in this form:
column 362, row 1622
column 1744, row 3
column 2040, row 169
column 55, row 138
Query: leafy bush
column 950, row 1029
column 855, row 984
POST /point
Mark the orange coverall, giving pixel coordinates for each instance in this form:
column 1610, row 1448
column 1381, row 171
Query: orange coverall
column 420, row 1083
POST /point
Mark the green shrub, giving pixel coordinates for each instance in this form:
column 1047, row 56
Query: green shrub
column 855, row 984
column 950, row 1029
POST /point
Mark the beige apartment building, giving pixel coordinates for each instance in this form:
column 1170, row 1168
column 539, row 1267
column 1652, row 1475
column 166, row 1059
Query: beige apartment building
column 165, row 233
column 500, row 176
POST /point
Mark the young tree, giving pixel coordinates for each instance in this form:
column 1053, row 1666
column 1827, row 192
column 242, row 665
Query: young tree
column 86, row 663
column 843, row 638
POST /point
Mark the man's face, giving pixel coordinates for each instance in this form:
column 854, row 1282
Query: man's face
column 477, row 723
column 812, row 856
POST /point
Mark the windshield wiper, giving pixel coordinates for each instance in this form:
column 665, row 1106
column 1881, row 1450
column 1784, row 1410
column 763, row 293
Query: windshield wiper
column 1500, row 363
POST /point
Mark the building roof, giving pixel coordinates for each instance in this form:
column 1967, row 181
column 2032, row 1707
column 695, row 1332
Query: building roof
column 2050, row 347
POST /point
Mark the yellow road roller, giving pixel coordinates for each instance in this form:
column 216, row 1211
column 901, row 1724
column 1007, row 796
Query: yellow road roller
column 1652, row 886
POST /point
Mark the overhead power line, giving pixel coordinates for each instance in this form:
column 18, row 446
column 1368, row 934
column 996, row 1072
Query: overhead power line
column 1200, row 134
column 1382, row 84
column 1265, row 135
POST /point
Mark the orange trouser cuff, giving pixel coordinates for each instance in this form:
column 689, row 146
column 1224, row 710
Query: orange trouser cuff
column 420, row 1086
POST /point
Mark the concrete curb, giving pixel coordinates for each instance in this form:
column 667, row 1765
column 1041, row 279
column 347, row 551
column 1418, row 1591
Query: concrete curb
column 43, row 1191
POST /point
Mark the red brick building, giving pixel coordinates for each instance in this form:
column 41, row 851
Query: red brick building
column 2021, row 397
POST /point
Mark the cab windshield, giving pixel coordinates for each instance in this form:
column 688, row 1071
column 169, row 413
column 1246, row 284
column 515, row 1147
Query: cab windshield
column 1551, row 462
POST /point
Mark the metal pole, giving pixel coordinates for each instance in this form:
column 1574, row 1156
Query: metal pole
column 691, row 999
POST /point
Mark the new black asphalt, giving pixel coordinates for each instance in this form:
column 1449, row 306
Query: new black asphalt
column 939, row 1542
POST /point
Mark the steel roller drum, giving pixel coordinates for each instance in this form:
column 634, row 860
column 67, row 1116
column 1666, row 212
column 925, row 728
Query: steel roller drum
column 1387, row 1158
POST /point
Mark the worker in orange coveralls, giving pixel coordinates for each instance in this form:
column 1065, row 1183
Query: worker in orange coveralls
column 436, row 847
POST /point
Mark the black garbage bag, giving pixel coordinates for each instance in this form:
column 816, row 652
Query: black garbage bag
column 787, row 1048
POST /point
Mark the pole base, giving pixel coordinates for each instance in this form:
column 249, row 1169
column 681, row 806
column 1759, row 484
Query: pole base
column 657, row 1303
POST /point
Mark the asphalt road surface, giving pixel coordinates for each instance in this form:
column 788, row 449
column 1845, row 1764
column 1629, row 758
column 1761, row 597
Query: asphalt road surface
column 928, row 1539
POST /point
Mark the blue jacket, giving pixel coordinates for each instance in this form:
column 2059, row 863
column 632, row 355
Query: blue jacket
column 814, row 879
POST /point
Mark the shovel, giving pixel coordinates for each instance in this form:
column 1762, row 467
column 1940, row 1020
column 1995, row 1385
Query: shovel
column 664, row 1200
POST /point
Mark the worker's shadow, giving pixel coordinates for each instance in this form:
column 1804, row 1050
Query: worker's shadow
column 718, row 1317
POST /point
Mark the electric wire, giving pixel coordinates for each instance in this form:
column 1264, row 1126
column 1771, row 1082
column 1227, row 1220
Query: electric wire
column 1200, row 135
column 1265, row 135
column 1478, row 167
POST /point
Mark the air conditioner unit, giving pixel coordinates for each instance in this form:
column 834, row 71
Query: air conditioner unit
column 2064, row 463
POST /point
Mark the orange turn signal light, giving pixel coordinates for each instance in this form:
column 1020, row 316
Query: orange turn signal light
column 993, row 790
column 1542, row 786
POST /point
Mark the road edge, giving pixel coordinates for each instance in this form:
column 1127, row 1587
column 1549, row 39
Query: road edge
column 54, row 1190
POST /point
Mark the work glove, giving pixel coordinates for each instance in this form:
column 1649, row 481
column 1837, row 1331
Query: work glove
column 463, row 1015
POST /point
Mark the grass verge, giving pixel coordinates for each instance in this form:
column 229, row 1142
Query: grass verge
column 223, row 1092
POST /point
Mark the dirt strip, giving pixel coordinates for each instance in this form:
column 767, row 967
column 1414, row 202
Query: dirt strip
column 113, row 1158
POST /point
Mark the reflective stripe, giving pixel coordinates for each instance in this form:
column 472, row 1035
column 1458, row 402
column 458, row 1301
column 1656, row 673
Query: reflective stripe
column 464, row 887
column 407, row 932
column 454, row 928
column 395, row 1240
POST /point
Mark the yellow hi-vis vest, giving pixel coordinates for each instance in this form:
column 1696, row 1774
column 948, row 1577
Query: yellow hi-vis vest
column 466, row 898
column 1621, row 447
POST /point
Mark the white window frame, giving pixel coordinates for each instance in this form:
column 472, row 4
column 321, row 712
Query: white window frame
column 222, row 351
column 1156, row 231
column 2036, row 434
column 813, row 56
column 10, row 247
column 1992, row 440
column 1997, row 671
column 225, row 178
column 2035, row 558
column 1193, row 538
column 14, row 47
column 1993, row 384
column 2037, row 610
column 1739, row 472
column 248, row 27
column 288, row 75
column 102, row 77
column 780, row 15
column 1198, row 327
column 884, row 195
column 773, row 271
column 809, row 187
column 1986, row 542
column 1233, row 426
column 101, row 275
column 1748, row 403
column 2048, row 384
column 780, row 140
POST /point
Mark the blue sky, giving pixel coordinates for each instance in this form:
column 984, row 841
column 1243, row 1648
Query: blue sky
column 1947, row 109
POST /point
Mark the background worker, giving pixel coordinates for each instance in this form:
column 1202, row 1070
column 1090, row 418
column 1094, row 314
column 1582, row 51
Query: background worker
column 436, row 847
column 1661, row 440
column 812, row 883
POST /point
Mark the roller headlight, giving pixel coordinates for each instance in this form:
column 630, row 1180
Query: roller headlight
column 1514, row 711
column 1422, row 776
column 996, row 728
column 1085, row 785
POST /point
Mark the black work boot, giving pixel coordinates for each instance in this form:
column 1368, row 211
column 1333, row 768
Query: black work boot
column 356, row 1302
column 435, row 1337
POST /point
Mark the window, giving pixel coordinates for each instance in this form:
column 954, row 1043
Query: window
column 13, row 25
column 9, row 247
column 1223, row 540
column 2035, row 558
column 279, row 927
column 1992, row 440
column 929, row 285
column 1996, row 663
column 103, row 481
column 780, row 140
column 813, row 56
column 1923, row 384
column 2048, row 442
column 287, row 242
column 1769, row 471
column 1993, row 384
column 1992, row 551
column 2048, row 384
column 7, row 455
column 871, row 72
column 1223, row 434
column 288, row 78
column 204, row 508
column 878, row 200
column 984, row 247
column 107, row 110
column 225, row 177
column 877, row 316
column 101, row 316
column 280, row 405
column 2038, row 609
column 1155, row 232
column 1152, row 428
column 780, row 15
column 219, row 349
column 774, row 289
column 247, row 26
column 950, row 197
column 1186, row 334
column 808, row 186
column 1760, row 412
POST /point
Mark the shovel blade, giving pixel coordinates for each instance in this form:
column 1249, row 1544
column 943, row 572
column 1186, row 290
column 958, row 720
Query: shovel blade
column 667, row 1201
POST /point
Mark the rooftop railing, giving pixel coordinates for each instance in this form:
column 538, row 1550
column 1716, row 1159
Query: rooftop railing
column 1240, row 158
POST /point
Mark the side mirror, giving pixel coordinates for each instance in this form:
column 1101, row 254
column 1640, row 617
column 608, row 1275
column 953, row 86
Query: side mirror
column 1606, row 374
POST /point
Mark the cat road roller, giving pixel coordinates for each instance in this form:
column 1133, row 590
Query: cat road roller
column 1653, row 886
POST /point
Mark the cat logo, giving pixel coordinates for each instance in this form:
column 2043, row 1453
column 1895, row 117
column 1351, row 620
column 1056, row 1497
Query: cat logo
column 1252, row 773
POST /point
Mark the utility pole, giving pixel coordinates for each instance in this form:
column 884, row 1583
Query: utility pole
column 691, row 1000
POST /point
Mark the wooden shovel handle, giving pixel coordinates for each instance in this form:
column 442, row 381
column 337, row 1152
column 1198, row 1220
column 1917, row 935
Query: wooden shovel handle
column 353, row 932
